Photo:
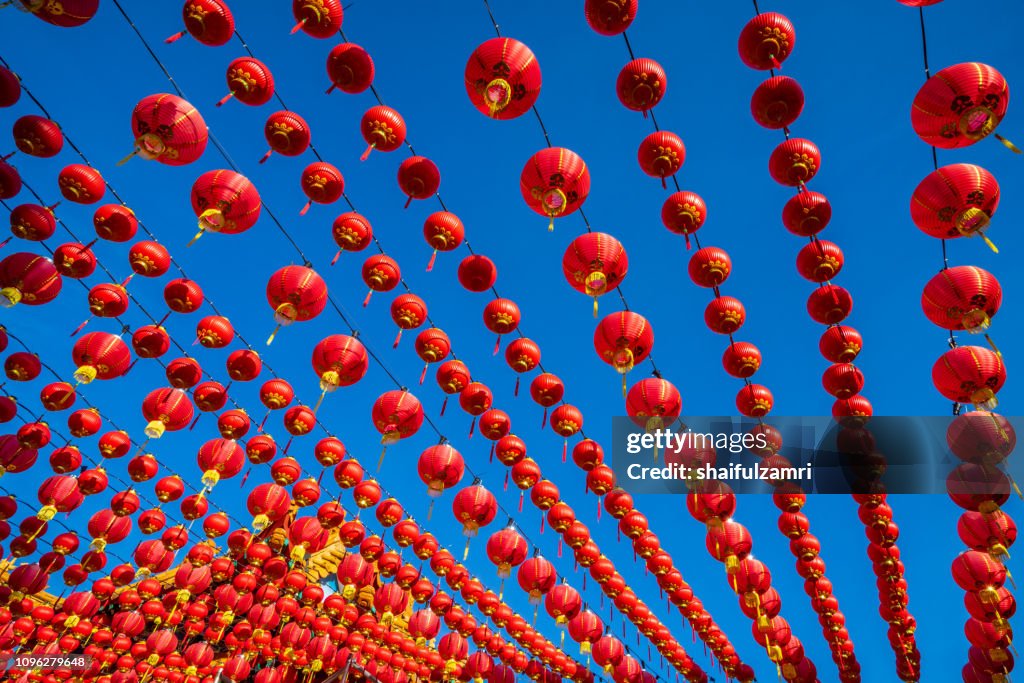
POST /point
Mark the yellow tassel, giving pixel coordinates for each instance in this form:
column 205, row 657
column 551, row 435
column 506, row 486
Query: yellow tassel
column 1009, row 145
column 196, row 238
column 993, row 345
column 319, row 401
column 595, row 307
column 989, row 242
column 128, row 158
column 270, row 339
column 465, row 553
column 551, row 224
column 381, row 461
column 623, row 385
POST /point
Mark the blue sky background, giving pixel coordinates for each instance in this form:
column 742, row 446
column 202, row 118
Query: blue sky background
column 859, row 65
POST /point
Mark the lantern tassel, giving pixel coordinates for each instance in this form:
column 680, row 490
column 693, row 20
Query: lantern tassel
column 380, row 462
column 245, row 478
column 521, row 494
column 542, row 523
column 366, row 301
column 687, row 238
column 490, row 458
column 595, row 307
column 263, row 422
column 408, row 202
column 128, row 158
column 1006, row 143
column 336, row 257
column 79, row 328
column 465, row 553
column 366, row 154
column 6, row 242
column 506, row 480
column 664, row 185
column 398, row 338
column 423, row 375
column 266, row 156
column 298, row 27
column 560, row 554
column 993, row 345
column 623, row 385
column 515, row 391
column 305, row 209
column 599, row 506
column 472, row 427
column 194, row 422
column 565, row 449
column 430, row 509
column 444, row 405
column 497, row 346
column 544, row 418
column 176, row 37
column 196, row 238
column 331, row 89
column 270, row 339
column 319, row 401
column 551, row 223
column 222, row 101
column 990, row 243
column 433, row 258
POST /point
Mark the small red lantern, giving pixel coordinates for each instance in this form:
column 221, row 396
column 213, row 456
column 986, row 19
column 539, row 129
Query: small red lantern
column 81, row 184
column 214, row 332
column 166, row 409
column 351, row 231
column 409, row 312
column 777, row 102
column 249, row 81
column 419, row 178
column 794, row 162
column 287, row 133
column 610, row 17
column 661, row 154
column 806, row 214
column 74, row 260
column 150, row 341
column 501, row 316
column 381, row 274
column 225, row 202
column 208, row 21
column 829, row 304
column 477, row 273
column 318, row 18
column 339, row 361
column 970, row 374
column 709, row 267
column 641, row 85
column 741, row 359
column 38, row 136
column 183, row 295
column 754, row 400
column 383, row 128
column 725, row 315
column 819, row 261
column 29, row 279
column 962, row 298
column 684, row 213
column 33, row 222
column 100, row 355
column 115, row 222
column 350, row 68
column 396, row 415
column 321, row 183
column 766, row 41
column 296, row 294
column 955, row 201
column 149, row 259
column 444, row 232
column 432, row 346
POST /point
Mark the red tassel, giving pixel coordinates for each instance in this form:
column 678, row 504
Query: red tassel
column 497, row 346
column 366, row 154
column 521, row 494
column 408, row 202
column 246, row 477
column 644, row 112
column 423, row 375
column 516, row 392
column 79, row 328
column 266, row 156
column 542, row 523
column 687, row 238
column 565, row 449
column 599, row 506
column 298, row 27
column 222, row 101
column 194, row 422
column 506, row 479
column 433, row 258
column 490, row 458
column 444, row 405
column 366, row 301
column 544, row 420
column 6, row 241
column 288, row 445
column 321, row 477
column 306, row 208
column 664, row 185
column 472, row 427
column 398, row 338
column 776, row 64
column 263, row 422
column 559, row 546
column 336, row 257
column 835, row 297
column 176, row 37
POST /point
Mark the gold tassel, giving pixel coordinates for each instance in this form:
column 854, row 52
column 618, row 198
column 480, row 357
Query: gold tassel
column 595, row 307
column 128, row 158
column 380, row 462
column 270, row 339
column 991, row 245
column 465, row 553
column 551, row 223
column 196, row 238
column 993, row 345
column 1006, row 143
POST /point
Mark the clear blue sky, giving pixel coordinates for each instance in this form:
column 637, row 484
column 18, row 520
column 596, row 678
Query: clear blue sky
column 859, row 65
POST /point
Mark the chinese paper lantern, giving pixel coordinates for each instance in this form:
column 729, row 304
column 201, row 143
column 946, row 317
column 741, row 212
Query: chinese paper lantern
column 741, row 359
column 351, row 231
column 150, row 341
column 287, row 133
column 709, row 267
column 840, row 344
column 501, row 316
column 166, row 409
column 432, row 346
column 214, row 332
column 594, row 264
column 546, row 390
column 477, row 273
column 819, row 261
column 622, row 340
column 396, row 415
column 474, row 507
column 829, row 304
column 641, row 85
column 960, row 105
column 74, row 260
column 409, row 312
column 503, row 78
column 168, row 129
column 208, row 21
column 970, row 374
column 350, row 68
column 318, row 18
column 661, row 154
column 321, row 183
column 220, row 459
column 777, row 102
column 381, row 274
column 754, row 400
column 566, row 420
column 249, row 81
column 22, row 366
column 10, row 88
column 440, row 467
column 339, row 361
column 149, row 259
column 37, row 136
column 66, row 14
column 522, row 355
column 419, row 178
column 955, row 201
column 29, row 279
column 383, row 128
column 962, row 298
column 183, row 295
column 766, row 41
column 33, row 222
column 842, row 380
column 115, row 222
column 729, row 542
column 537, row 577
column 794, row 162
column 610, row 17
column 225, row 202
column 297, row 294
column 100, row 355
column 684, row 213
column 554, row 183
column 806, row 213
column 267, row 503
column 81, row 184
column 444, row 232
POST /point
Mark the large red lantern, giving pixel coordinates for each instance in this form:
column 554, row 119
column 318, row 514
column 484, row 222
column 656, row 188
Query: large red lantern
column 37, row 136
column 287, row 133
column 419, row 178
column 396, row 415
column 249, row 81
column 74, row 260
column 474, row 507
column 297, row 294
column 766, row 41
column 653, row 403
column 960, row 105
column 503, row 78
column 962, row 298
column 321, row 183
column 339, row 361
column 208, row 21
column 29, row 279
column 554, row 183
column 661, row 154
column 169, row 130
column 794, row 162
column 166, row 410
column 622, row 340
column 440, row 467
column 65, row 14
column 955, row 201
column 537, row 577
column 225, row 202
column 970, row 374
column 318, row 18
column 641, row 85
column 100, row 355
column 81, row 184
column 350, row 68
column 777, row 102
column 594, row 264
column 383, row 128
column 33, row 222
column 267, row 504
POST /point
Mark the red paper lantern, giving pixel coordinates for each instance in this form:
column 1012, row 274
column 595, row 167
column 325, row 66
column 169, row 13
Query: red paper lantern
column 970, row 374
column 287, row 133
column 503, row 78
column 684, row 213
column 383, row 128
column 444, row 232
column 249, row 81
column 38, row 136
column 296, row 294
column 166, row 409
column 29, row 279
column 33, row 222
column 777, row 102
column 208, row 21
column 960, row 105
column 641, row 85
column 214, row 332
column 351, row 231
column 100, row 355
column 81, row 184
column 554, row 183
column 661, row 154
column 225, row 202
column 318, row 18
column 610, row 17
column 477, row 273
column 321, row 183
column 419, row 178
column 955, row 201
column 819, row 261
column 594, row 264
column 794, row 162
column 115, row 222
column 766, row 41
column 350, row 68
column 169, row 130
